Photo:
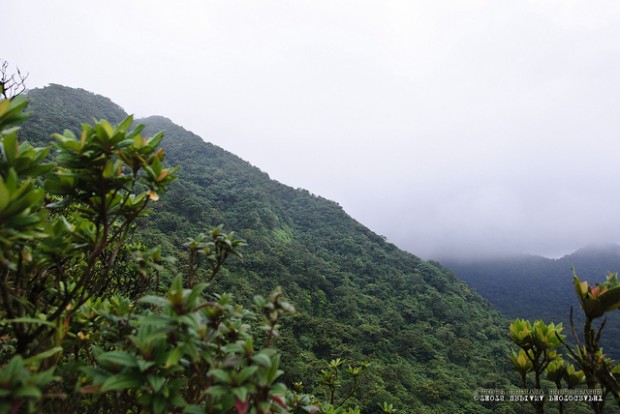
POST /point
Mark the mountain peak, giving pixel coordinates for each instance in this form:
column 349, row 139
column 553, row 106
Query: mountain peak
column 157, row 118
column 598, row 249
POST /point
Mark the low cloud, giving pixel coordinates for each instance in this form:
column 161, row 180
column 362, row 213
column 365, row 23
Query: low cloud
column 458, row 127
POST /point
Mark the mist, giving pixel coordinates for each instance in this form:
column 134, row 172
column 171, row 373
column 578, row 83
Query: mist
column 456, row 128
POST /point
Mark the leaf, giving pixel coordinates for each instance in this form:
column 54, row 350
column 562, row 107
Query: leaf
column 159, row 405
column 156, row 382
column 43, row 355
column 41, row 379
column 154, row 300
column 195, row 293
column 246, row 373
column 193, row 409
column 30, row 320
column 123, row 126
column 173, row 357
column 610, row 300
column 221, row 375
column 138, row 142
column 109, row 130
column 233, row 348
column 5, row 195
column 153, row 195
column 28, row 391
column 10, row 148
column 11, row 369
column 242, row 406
column 119, row 358
column 121, row 382
column 218, row 391
column 156, row 168
column 262, row 359
column 580, row 287
column 144, row 365
column 4, row 106
column 108, row 170
column 98, row 375
column 241, row 393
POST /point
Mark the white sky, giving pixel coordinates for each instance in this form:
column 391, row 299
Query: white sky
column 451, row 127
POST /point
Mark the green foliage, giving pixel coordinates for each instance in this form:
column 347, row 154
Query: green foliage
column 603, row 297
column 533, row 287
column 339, row 389
column 598, row 369
column 186, row 353
column 538, row 343
column 388, row 408
column 77, row 331
column 60, row 241
column 72, row 332
column 215, row 248
column 357, row 297
column 539, row 338
column 22, row 381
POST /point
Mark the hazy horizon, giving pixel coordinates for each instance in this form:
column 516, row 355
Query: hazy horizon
column 463, row 127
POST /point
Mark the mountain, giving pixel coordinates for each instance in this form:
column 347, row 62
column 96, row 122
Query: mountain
column 534, row 287
column 431, row 341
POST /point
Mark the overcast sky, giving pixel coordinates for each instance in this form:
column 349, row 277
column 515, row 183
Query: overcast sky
column 450, row 127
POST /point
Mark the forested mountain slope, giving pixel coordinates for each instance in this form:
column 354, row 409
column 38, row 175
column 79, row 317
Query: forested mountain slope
column 535, row 287
column 430, row 340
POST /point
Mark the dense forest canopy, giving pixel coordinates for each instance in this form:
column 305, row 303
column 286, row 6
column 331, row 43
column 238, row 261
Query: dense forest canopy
column 535, row 287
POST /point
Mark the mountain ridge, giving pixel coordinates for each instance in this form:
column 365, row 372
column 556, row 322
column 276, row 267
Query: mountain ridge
column 535, row 287
column 603, row 249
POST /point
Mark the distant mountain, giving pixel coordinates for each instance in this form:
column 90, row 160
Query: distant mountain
column 605, row 255
column 534, row 287
column 430, row 340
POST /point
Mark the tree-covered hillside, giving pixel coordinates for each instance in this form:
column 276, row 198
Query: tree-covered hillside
column 430, row 340
column 534, row 287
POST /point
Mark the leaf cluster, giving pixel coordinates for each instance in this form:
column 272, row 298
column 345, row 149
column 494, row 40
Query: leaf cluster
column 539, row 344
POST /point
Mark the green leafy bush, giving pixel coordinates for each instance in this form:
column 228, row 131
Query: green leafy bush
column 539, row 345
column 86, row 326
